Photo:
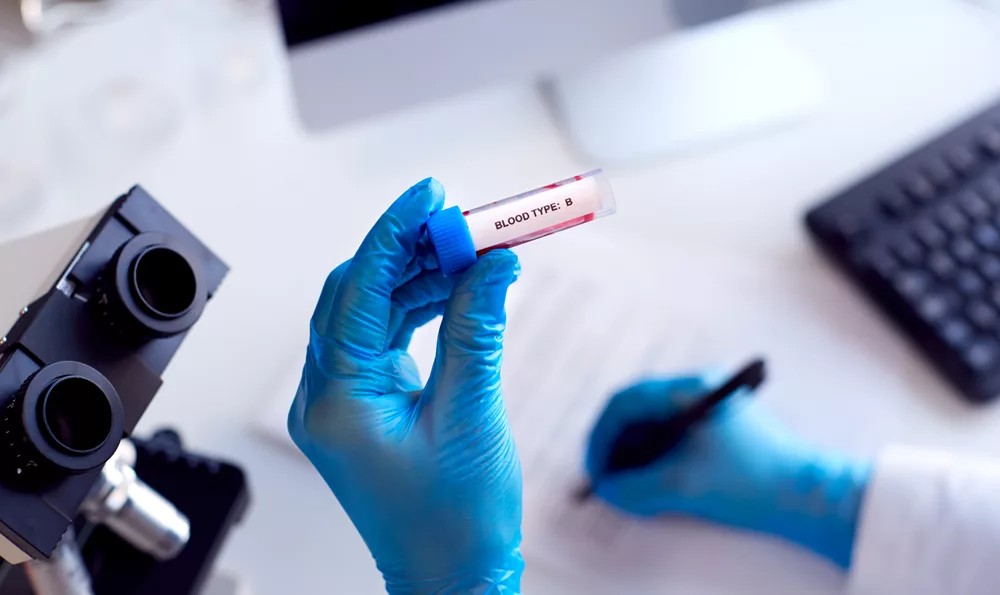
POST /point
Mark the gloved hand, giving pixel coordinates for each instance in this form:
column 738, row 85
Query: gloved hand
column 739, row 468
column 428, row 474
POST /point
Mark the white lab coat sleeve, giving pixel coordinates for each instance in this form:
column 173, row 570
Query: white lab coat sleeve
column 930, row 525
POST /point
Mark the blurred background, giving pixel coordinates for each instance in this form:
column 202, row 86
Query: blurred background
column 278, row 132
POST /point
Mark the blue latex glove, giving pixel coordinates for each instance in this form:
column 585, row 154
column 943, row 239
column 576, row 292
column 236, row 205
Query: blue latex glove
column 739, row 468
column 428, row 474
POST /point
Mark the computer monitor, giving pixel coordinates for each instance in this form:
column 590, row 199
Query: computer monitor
column 353, row 60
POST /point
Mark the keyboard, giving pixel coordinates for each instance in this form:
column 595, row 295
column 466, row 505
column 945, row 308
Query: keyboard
column 922, row 239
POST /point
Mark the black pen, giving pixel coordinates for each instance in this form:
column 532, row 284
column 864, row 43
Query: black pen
column 641, row 443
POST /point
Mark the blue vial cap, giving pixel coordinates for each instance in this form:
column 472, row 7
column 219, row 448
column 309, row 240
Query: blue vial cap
column 452, row 241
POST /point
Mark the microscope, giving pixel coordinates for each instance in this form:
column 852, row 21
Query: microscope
column 93, row 312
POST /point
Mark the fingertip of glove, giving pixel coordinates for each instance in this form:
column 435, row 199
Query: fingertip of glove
column 431, row 185
column 428, row 190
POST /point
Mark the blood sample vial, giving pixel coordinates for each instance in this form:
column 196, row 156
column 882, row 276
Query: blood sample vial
column 459, row 237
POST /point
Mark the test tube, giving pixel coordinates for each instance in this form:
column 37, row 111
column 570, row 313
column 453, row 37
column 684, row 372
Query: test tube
column 460, row 237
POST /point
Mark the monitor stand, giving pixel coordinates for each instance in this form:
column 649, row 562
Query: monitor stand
column 694, row 89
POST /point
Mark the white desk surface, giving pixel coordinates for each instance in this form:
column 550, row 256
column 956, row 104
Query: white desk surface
column 283, row 207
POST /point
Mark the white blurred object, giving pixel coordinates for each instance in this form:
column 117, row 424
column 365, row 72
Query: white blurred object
column 220, row 61
column 112, row 95
column 43, row 17
column 232, row 63
column 705, row 86
column 125, row 105
column 122, row 117
column 21, row 151
column 132, row 113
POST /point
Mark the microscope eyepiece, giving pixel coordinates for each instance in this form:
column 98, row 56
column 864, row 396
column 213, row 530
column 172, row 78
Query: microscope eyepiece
column 152, row 288
column 75, row 414
column 66, row 417
column 164, row 282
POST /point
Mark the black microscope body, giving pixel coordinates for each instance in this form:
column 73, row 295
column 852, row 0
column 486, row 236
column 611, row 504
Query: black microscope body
column 82, row 359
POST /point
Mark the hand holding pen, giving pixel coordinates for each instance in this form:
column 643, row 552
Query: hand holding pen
column 641, row 442
column 693, row 446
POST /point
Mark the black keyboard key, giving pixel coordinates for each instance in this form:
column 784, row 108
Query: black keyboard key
column 987, row 236
column 974, row 205
column 963, row 159
column 883, row 262
column 847, row 226
column 895, row 205
column 982, row 314
column 908, row 250
column 990, row 140
column 982, row 354
column 990, row 190
column 940, row 173
column 941, row 264
column 933, row 307
column 951, row 218
column 964, row 250
column 911, row 284
column 919, row 188
column 989, row 267
column 969, row 283
column 955, row 332
column 929, row 232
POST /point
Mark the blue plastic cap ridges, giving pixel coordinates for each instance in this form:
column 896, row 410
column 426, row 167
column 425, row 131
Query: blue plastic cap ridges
column 452, row 241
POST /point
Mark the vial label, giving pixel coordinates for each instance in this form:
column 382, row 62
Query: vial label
column 504, row 223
